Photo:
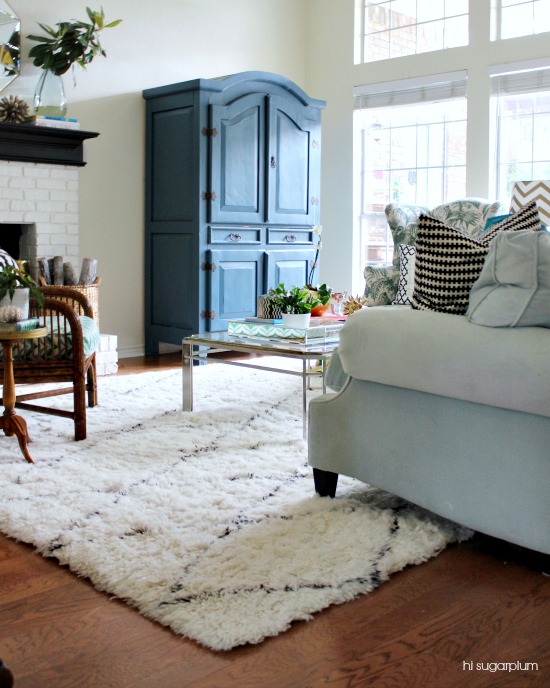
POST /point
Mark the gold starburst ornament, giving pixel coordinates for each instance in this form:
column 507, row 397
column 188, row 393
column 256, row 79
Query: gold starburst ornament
column 13, row 110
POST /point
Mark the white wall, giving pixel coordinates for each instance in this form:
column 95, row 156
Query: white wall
column 157, row 43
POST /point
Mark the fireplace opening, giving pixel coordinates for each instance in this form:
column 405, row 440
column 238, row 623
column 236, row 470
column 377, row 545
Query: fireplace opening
column 10, row 238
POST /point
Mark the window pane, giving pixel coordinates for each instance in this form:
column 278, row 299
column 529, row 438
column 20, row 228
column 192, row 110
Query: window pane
column 523, row 140
column 403, row 13
column 517, row 21
column 403, row 147
column 378, row 46
column 455, row 7
column 413, row 154
column 428, row 11
column 542, row 16
column 378, row 18
column 430, row 36
column 390, row 28
column 403, row 41
column 456, row 32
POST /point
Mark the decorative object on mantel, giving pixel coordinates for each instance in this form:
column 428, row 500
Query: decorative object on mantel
column 10, row 45
column 69, row 43
column 62, row 274
column 14, row 110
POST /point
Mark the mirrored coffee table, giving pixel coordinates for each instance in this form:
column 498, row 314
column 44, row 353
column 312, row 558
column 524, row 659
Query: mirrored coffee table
column 199, row 346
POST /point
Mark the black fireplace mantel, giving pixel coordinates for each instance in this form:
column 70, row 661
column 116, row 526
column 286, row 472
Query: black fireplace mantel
column 54, row 146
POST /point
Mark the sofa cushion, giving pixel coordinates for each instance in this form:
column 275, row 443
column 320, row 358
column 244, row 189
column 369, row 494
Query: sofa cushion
column 448, row 261
column 447, row 355
column 513, row 289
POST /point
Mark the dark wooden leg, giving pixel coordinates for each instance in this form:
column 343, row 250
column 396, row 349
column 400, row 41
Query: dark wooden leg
column 325, row 482
column 6, row 677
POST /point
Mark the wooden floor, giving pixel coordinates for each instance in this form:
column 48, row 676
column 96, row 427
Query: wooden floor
column 443, row 624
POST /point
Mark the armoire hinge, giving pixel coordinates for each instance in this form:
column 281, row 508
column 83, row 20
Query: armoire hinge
column 208, row 315
column 208, row 267
column 206, row 131
column 208, row 196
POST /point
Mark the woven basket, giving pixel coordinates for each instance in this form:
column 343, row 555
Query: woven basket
column 91, row 291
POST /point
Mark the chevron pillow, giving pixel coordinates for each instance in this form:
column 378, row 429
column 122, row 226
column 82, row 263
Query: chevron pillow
column 449, row 261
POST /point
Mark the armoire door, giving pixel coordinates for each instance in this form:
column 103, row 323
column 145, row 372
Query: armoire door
column 290, row 267
column 293, row 162
column 236, row 280
column 237, row 161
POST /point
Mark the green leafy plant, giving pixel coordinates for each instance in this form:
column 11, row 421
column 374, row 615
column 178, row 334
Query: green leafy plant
column 294, row 300
column 69, row 43
column 12, row 278
column 322, row 292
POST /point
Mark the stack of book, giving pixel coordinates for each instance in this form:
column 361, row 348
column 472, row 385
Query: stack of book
column 56, row 122
column 320, row 331
column 19, row 325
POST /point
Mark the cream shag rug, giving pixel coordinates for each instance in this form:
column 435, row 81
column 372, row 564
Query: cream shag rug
column 207, row 521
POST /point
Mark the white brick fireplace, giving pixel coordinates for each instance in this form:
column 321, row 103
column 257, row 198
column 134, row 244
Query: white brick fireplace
column 41, row 200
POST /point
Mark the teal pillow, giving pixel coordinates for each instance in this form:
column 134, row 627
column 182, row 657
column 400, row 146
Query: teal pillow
column 513, row 288
column 494, row 220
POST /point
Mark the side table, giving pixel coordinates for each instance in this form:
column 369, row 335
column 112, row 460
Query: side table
column 10, row 422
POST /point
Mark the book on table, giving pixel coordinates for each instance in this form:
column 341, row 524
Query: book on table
column 20, row 325
column 324, row 331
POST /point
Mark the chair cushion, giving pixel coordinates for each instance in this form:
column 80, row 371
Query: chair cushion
column 513, row 289
column 380, row 284
column 60, row 341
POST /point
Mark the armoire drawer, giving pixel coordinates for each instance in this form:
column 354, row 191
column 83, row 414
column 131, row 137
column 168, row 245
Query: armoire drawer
column 235, row 235
column 290, row 236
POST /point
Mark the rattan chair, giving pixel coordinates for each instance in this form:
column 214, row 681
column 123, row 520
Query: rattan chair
column 58, row 358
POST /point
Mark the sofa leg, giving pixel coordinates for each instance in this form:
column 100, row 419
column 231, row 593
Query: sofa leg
column 6, row 677
column 325, row 482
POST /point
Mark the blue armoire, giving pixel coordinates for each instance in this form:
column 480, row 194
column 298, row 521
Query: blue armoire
column 232, row 196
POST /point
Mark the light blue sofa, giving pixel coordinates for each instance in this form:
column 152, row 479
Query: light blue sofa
column 450, row 414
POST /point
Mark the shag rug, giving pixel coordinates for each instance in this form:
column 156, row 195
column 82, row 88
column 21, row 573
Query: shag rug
column 206, row 522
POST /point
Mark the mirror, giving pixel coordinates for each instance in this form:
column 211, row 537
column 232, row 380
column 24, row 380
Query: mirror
column 10, row 45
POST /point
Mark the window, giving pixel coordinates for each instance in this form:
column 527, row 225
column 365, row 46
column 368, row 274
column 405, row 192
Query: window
column 521, row 105
column 391, row 28
column 512, row 18
column 410, row 147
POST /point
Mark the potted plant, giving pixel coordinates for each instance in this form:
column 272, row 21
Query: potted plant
column 295, row 304
column 16, row 285
column 68, row 43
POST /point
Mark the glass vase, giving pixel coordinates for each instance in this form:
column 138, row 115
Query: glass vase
column 49, row 96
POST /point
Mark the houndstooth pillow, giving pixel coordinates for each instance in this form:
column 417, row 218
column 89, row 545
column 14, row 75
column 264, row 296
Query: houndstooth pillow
column 448, row 261
column 405, row 286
